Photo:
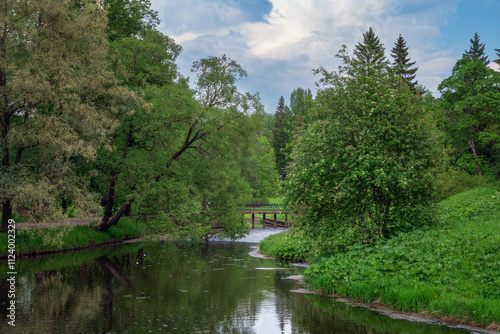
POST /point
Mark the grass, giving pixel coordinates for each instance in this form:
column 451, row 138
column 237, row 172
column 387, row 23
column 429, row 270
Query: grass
column 31, row 241
column 286, row 245
column 450, row 270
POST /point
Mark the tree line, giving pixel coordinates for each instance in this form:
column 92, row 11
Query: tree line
column 374, row 150
column 95, row 118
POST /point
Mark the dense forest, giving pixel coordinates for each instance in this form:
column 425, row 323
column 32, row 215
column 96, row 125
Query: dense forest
column 97, row 121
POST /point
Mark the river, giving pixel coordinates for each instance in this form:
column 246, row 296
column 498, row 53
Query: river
column 151, row 287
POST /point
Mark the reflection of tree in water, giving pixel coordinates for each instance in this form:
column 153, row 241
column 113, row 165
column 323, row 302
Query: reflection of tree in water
column 282, row 299
column 112, row 269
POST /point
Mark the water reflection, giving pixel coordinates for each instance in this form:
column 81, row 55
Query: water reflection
column 152, row 287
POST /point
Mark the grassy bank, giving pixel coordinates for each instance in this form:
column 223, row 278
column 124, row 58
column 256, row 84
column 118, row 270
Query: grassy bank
column 449, row 271
column 34, row 240
column 286, row 246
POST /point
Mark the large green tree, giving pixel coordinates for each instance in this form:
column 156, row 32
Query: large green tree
column 471, row 100
column 361, row 169
column 57, row 95
column 402, row 64
column 177, row 157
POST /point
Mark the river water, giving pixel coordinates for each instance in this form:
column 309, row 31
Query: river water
column 149, row 287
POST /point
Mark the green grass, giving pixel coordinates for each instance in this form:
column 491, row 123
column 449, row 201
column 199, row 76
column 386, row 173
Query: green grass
column 29, row 241
column 450, row 270
column 285, row 245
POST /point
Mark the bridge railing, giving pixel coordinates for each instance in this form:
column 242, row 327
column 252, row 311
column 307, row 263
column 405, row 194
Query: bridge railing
column 263, row 206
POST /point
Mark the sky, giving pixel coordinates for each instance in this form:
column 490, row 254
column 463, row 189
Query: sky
column 280, row 42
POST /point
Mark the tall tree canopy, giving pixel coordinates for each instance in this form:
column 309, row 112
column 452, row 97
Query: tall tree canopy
column 130, row 18
column 402, row 64
column 471, row 98
column 57, row 97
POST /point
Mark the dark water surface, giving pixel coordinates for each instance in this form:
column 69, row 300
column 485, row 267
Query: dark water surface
column 150, row 287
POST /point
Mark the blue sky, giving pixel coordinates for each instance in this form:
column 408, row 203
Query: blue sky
column 279, row 42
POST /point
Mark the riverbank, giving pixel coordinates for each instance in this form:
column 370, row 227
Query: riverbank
column 31, row 240
column 448, row 272
column 79, row 233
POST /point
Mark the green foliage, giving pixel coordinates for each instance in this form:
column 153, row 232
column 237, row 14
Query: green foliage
column 402, row 65
column 456, row 181
column 58, row 95
column 362, row 168
column 66, row 237
column 471, row 100
column 130, row 18
column 288, row 246
column 450, row 269
column 149, row 60
column 370, row 51
column 476, row 50
column 281, row 136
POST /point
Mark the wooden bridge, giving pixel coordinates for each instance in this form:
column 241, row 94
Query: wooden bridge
column 268, row 209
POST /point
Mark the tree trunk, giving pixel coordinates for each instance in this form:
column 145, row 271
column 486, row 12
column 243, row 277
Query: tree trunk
column 64, row 205
column 6, row 214
column 105, row 225
column 110, row 202
column 472, row 146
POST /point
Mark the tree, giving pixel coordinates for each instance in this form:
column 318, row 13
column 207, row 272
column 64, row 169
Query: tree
column 402, row 65
column 471, row 98
column 175, row 157
column 476, row 50
column 281, row 136
column 57, row 97
column 498, row 55
column 361, row 169
column 130, row 18
column 370, row 51
column 300, row 102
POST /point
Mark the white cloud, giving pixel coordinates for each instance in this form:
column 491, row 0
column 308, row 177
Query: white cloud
column 280, row 47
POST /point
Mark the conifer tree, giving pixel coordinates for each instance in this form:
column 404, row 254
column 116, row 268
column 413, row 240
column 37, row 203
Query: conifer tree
column 476, row 50
column 498, row 54
column 402, row 64
column 281, row 136
column 370, row 51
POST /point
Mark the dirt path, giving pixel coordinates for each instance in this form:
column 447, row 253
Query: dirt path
column 70, row 221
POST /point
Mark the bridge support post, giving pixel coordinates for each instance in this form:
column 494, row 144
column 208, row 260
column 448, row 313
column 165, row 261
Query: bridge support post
column 264, row 220
column 274, row 220
column 286, row 220
column 253, row 220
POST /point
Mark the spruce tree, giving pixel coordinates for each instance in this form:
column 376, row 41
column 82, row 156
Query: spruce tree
column 498, row 54
column 476, row 50
column 281, row 136
column 370, row 51
column 402, row 65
